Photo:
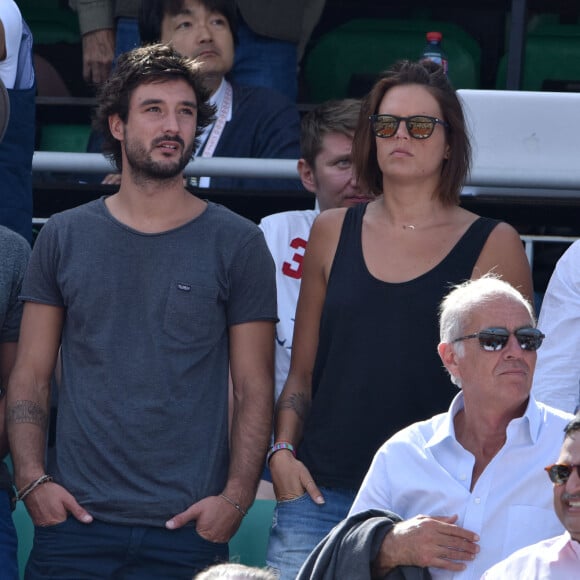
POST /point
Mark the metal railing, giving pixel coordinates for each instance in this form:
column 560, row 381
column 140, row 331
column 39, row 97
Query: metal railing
column 210, row 166
column 286, row 168
column 529, row 242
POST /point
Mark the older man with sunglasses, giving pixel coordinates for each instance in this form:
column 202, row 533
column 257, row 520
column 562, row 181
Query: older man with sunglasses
column 469, row 482
column 559, row 557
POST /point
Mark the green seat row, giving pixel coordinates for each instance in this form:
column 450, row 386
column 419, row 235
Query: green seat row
column 64, row 137
column 365, row 46
column 50, row 21
column 551, row 57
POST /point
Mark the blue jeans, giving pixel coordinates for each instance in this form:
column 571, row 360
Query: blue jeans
column 266, row 62
column 8, row 540
column 72, row 550
column 298, row 526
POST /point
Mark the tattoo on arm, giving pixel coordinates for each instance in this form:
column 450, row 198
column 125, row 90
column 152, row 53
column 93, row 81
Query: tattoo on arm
column 27, row 412
column 298, row 403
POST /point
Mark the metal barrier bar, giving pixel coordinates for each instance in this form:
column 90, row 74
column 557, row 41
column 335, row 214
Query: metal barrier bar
column 286, row 168
column 530, row 240
column 210, row 167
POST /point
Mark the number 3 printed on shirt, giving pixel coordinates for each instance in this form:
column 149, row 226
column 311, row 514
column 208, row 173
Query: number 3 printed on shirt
column 294, row 269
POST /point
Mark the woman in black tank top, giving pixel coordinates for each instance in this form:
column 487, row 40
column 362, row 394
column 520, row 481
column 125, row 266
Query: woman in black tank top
column 364, row 360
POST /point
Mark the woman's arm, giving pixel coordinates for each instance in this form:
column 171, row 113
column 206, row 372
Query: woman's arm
column 504, row 255
column 291, row 478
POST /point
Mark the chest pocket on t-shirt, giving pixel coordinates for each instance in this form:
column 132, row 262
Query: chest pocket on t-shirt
column 190, row 313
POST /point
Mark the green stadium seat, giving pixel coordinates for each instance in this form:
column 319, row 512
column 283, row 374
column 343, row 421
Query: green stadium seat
column 368, row 47
column 551, row 57
column 64, row 137
column 250, row 543
column 51, row 21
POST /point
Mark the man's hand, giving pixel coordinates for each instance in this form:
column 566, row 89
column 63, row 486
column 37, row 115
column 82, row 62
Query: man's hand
column 215, row 519
column 427, row 541
column 98, row 54
column 112, row 179
column 291, row 478
column 49, row 504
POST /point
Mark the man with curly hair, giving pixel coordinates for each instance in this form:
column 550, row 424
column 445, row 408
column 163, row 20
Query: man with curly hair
column 152, row 296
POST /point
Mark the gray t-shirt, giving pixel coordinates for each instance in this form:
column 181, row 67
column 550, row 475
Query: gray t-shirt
column 142, row 430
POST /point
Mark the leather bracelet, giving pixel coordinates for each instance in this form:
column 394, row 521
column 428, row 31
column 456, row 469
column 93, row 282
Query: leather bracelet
column 278, row 447
column 235, row 504
column 28, row 489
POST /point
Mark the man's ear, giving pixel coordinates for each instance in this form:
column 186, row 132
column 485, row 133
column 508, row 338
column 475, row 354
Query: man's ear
column 449, row 358
column 306, row 175
column 116, row 126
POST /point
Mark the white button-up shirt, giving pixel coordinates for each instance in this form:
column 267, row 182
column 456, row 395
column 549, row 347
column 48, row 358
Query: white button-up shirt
column 424, row 470
column 554, row 559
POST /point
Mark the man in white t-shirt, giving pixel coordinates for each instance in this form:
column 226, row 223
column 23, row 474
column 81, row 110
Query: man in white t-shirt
column 326, row 170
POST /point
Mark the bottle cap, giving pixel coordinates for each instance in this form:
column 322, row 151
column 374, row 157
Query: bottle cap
column 434, row 36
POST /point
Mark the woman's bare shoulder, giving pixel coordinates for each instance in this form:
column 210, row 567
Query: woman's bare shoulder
column 331, row 217
column 327, row 225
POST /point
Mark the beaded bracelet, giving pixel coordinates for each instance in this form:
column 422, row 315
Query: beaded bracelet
column 28, row 489
column 278, row 447
column 235, row 504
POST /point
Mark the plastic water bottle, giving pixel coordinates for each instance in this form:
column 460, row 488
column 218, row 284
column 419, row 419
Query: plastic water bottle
column 433, row 50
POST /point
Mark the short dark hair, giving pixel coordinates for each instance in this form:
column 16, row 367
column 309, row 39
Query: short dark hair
column 336, row 116
column 156, row 63
column 432, row 77
column 572, row 426
column 152, row 12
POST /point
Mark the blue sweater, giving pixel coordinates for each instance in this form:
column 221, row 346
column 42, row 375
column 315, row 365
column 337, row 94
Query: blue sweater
column 265, row 125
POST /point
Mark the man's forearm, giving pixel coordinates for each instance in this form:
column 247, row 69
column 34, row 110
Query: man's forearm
column 251, row 428
column 26, row 422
